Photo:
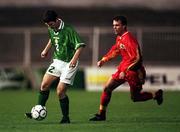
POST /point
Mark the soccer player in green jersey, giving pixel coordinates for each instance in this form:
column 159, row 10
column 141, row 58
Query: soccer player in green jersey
column 67, row 49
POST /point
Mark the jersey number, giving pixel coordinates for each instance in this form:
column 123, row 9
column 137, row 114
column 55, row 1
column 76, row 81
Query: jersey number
column 51, row 69
column 56, row 44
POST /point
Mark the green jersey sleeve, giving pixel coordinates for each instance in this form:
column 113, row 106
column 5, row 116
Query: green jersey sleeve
column 76, row 40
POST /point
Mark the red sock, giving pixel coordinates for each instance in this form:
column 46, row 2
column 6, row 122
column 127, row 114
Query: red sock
column 146, row 96
column 143, row 96
column 105, row 99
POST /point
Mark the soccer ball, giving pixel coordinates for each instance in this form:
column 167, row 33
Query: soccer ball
column 39, row 112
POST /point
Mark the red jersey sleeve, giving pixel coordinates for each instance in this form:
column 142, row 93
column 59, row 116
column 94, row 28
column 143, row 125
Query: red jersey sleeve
column 112, row 53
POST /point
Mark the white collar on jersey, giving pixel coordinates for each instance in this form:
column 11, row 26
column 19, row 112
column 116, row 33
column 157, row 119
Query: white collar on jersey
column 61, row 26
column 123, row 34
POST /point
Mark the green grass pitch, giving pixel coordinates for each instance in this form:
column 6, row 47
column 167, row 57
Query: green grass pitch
column 123, row 115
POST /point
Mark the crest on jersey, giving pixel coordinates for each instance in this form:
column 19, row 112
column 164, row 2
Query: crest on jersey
column 122, row 46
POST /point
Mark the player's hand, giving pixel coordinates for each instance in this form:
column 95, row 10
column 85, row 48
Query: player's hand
column 43, row 54
column 100, row 63
column 72, row 64
column 122, row 75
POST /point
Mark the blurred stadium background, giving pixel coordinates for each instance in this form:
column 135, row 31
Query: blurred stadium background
column 23, row 35
column 155, row 23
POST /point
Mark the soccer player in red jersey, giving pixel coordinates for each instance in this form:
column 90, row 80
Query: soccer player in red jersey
column 130, row 69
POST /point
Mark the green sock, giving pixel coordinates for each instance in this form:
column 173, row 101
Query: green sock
column 64, row 104
column 43, row 97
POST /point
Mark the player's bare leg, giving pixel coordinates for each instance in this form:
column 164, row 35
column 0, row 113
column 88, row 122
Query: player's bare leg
column 64, row 102
column 105, row 99
column 44, row 91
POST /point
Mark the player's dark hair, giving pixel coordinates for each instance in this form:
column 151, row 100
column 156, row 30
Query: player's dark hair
column 122, row 19
column 50, row 15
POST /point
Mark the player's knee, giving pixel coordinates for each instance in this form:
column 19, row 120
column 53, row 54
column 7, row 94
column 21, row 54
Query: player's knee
column 61, row 93
column 107, row 90
column 44, row 86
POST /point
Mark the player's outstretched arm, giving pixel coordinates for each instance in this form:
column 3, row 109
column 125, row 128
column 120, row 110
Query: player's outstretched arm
column 112, row 53
column 100, row 63
column 46, row 49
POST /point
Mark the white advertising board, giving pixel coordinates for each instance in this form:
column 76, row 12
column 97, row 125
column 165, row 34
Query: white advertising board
column 167, row 78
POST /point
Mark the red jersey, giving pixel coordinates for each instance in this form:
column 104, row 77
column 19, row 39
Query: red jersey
column 128, row 48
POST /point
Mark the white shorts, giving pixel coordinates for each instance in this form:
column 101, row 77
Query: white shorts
column 61, row 69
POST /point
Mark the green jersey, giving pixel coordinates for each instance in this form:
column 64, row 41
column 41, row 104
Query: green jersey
column 65, row 42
